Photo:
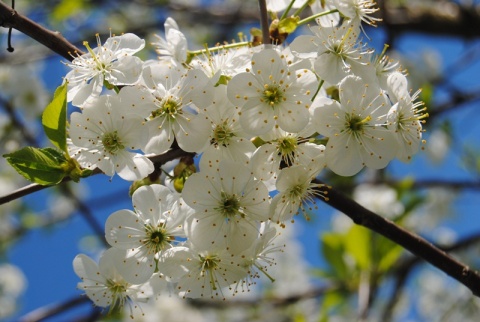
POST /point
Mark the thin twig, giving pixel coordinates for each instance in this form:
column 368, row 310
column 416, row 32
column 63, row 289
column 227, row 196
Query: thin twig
column 53, row 40
column 264, row 21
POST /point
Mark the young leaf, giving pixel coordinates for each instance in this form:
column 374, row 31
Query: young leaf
column 42, row 166
column 54, row 118
column 333, row 251
column 357, row 245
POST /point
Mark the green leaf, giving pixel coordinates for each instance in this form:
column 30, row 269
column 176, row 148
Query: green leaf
column 333, row 251
column 390, row 258
column 42, row 166
column 357, row 245
column 54, row 118
column 66, row 9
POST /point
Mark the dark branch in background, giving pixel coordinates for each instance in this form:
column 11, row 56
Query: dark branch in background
column 9, row 18
column 411, row 242
column 52, row 310
column 16, row 123
column 272, row 301
column 446, row 18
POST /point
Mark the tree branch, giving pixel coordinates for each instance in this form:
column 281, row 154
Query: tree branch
column 34, row 187
column 411, row 242
column 9, row 18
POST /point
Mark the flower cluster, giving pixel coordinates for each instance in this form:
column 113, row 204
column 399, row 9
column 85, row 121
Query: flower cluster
column 263, row 120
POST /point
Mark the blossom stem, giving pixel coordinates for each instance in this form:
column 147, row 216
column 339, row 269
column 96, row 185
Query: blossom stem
column 194, row 53
column 300, row 10
column 318, row 15
column 285, row 13
column 318, row 89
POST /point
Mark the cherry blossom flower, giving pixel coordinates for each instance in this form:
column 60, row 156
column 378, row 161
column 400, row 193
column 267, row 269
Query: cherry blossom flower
column 405, row 117
column 103, row 135
column 106, row 287
column 111, row 62
column 202, row 273
column 147, row 232
column 228, row 202
column 283, row 149
column 174, row 99
column 296, row 189
column 335, row 53
column 356, row 128
column 358, row 11
column 271, row 93
column 172, row 48
column 228, row 140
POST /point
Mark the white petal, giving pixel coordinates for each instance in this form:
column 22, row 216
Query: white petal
column 124, row 230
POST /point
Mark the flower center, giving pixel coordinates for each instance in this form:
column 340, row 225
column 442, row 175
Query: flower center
column 112, row 142
column 286, row 147
column 229, row 205
column 297, row 192
column 355, row 123
column 273, row 94
column 118, row 290
column 169, row 108
column 222, row 134
column 157, row 238
column 209, row 262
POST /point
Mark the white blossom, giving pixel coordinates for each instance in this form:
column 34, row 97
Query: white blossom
column 106, row 287
column 146, row 233
column 172, row 48
column 356, row 128
column 271, row 93
column 229, row 203
column 106, row 135
column 111, row 62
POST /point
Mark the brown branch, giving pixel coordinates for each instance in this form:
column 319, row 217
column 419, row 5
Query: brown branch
column 411, row 242
column 9, row 18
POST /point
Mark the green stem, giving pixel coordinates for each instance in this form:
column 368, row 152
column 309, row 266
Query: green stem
column 318, row 89
column 300, row 10
column 318, row 15
column 193, row 53
column 285, row 13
